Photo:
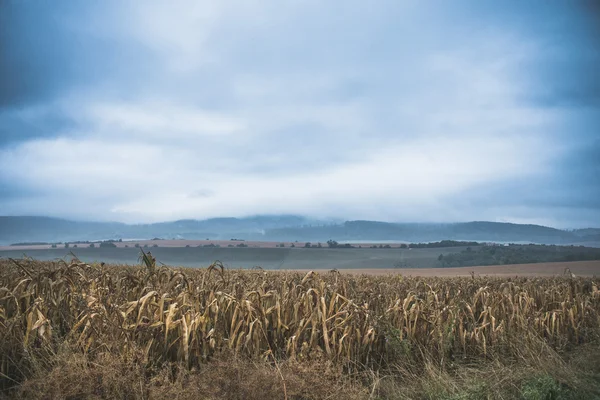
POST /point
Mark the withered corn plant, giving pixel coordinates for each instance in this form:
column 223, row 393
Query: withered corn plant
column 156, row 314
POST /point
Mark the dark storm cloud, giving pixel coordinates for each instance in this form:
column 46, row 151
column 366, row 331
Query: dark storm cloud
column 45, row 52
column 34, row 53
column 567, row 77
column 564, row 70
column 18, row 124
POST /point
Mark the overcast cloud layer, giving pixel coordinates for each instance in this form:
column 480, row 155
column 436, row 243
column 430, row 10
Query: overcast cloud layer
column 390, row 110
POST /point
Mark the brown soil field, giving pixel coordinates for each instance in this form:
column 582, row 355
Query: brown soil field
column 579, row 268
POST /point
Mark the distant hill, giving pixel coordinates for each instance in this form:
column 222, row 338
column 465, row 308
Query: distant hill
column 46, row 229
column 588, row 234
column 284, row 227
column 412, row 232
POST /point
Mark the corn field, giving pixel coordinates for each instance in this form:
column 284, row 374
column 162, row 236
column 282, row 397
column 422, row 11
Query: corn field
column 159, row 314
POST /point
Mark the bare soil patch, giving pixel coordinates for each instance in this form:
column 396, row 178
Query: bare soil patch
column 579, row 268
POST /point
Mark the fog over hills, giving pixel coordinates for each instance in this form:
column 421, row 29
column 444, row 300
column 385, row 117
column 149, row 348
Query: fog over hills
column 285, row 228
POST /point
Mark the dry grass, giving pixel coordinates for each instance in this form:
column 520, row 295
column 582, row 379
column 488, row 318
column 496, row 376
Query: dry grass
column 140, row 332
column 227, row 376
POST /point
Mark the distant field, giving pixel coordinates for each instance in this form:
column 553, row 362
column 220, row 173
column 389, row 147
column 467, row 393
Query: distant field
column 421, row 262
column 196, row 243
column 248, row 257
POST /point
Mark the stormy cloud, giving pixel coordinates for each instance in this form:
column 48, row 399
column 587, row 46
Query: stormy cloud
column 399, row 111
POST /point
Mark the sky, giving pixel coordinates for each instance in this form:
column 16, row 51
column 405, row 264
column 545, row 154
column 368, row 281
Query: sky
column 407, row 111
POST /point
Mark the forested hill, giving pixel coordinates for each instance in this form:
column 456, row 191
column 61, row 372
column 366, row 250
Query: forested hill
column 44, row 229
column 415, row 232
column 288, row 228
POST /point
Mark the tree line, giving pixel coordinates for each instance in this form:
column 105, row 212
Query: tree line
column 517, row 254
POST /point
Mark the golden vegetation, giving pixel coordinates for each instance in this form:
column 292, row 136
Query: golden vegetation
column 153, row 316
